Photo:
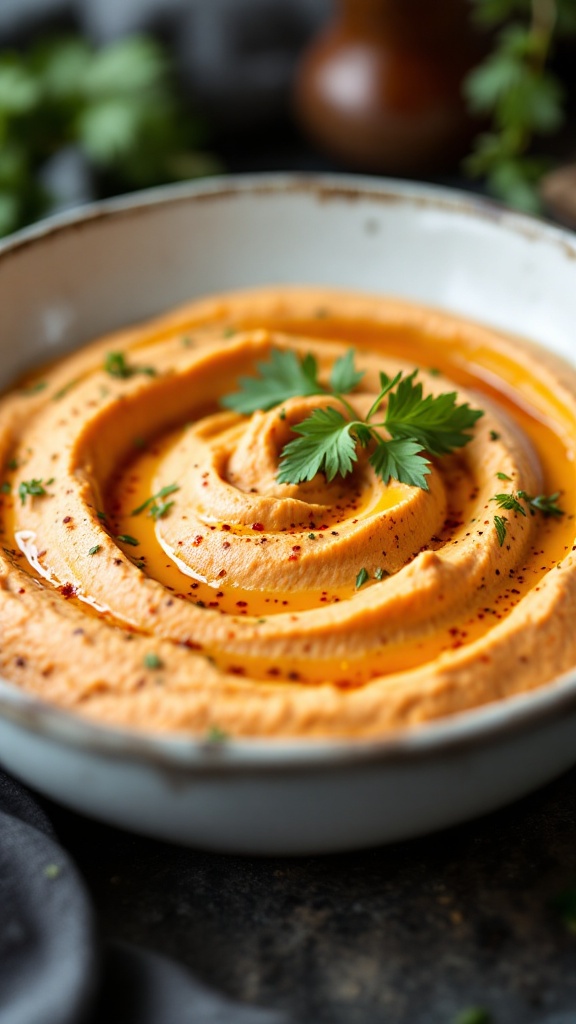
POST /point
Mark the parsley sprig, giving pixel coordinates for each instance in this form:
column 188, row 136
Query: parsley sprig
column 328, row 438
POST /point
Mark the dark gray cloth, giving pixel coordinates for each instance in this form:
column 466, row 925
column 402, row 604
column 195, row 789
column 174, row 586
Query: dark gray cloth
column 53, row 969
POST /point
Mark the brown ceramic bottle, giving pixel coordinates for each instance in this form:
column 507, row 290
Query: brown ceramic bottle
column 380, row 89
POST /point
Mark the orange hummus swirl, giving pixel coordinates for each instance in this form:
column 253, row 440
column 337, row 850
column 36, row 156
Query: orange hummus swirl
column 162, row 577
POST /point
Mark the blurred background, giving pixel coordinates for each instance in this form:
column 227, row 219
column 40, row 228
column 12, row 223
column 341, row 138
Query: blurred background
column 100, row 97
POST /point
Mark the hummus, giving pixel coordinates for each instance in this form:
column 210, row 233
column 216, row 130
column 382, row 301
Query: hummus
column 154, row 573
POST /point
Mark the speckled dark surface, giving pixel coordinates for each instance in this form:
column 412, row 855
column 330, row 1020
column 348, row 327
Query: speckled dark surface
column 412, row 933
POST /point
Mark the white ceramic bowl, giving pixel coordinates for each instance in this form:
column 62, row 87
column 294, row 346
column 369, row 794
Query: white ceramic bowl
column 74, row 277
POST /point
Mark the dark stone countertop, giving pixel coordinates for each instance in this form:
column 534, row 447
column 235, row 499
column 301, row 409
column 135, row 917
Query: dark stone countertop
column 412, row 933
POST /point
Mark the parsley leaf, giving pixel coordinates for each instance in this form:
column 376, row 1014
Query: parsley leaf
column 400, row 459
column 344, row 377
column 326, row 444
column 284, row 376
column 435, row 421
column 328, row 440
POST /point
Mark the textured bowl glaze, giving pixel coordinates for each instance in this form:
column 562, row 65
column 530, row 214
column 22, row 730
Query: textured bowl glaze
column 72, row 278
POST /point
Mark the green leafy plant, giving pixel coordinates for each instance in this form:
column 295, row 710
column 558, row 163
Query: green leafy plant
column 119, row 105
column 328, row 438
column 518, row 92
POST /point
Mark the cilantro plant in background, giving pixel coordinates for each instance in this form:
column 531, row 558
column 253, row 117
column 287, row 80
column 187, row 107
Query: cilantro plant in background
column 119, row 105
column 515, row 89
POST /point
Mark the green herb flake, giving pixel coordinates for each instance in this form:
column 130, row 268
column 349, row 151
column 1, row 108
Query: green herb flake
column 153, row 660
column 116, row 366
column 503, row 476
column 33, row 389
column 94, row 550
column 187, row 341
column 12, row 464
column 125, row 538
column 63, row 391
column 33, row 488
column 52, row 871
column 6, row 487
column 362, row 578
column 500, row 522
column 434, row 371
column 229, row 332
column 494, row 436
column 546, row 504
column 311, row 536
column 216, row 735
column 509, row 502
column 102, row 516
column 150, row 502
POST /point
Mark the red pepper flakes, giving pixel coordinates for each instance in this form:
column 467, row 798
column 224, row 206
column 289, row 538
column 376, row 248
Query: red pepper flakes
column 67, row 590
column 241, row 604
column 67, row 519
column 258, row 526
column 225, row 526
column 221, row 573
column 197, row 540
column 192, row 645
column 296, row 547
column 226, row 544
column 292, row 558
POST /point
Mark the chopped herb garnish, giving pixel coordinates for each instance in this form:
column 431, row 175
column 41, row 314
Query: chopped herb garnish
column 94, row 550
column 151, row 501
column 102, row 516
column 115, row 364
column 159, row 509
column 311, row 536
column 500, row 522
column 434, row 371
column 509, row 502
column 152, row 660
column 547, row 505
column 503, row 476
column 228, row 332
column 33, row 389
column 30, row 487
column 328, row 441
column 362, row 577
column 494, row 436
column 125, row 538
column 140, row 564
column 216, row 735
column 6, row 487
column 12, row 464
column 65, row 389
column 187, row 341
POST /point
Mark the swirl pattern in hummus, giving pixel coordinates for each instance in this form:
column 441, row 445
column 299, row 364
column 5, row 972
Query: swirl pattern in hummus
column 237, row 605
